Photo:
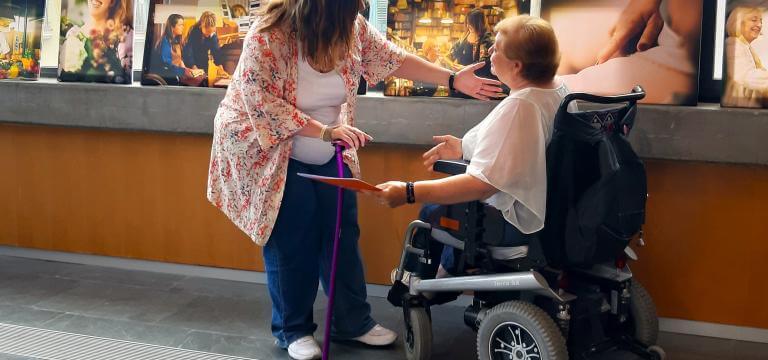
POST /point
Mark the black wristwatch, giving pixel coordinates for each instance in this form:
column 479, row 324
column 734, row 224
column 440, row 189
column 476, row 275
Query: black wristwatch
column 451, row 77
column 409, row 195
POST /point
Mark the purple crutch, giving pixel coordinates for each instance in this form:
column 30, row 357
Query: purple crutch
column 337, row 234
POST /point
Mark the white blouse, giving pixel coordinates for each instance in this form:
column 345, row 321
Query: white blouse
column 320, row 95
column 508, row 151
column 746, row 82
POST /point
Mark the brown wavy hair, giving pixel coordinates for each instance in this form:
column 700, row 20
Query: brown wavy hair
column 325, row 28
column 120, row 14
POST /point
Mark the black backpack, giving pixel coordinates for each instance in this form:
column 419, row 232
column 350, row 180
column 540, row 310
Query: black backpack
column 596, row 184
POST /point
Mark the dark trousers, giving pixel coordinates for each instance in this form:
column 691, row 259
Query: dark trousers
column 447, row 256
column 299, row 252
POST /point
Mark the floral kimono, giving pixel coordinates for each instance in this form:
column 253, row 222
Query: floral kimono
column 258, row 116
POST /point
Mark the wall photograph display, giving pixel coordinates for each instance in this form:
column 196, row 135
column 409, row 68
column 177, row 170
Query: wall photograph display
column 21, row 26
column 96, row 41
column 452, row 34
column 195, row 42
column 745, row 81
column 660, row 51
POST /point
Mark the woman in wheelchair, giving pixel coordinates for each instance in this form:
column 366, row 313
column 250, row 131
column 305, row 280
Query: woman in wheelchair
column 506, row 151
column 540, row 303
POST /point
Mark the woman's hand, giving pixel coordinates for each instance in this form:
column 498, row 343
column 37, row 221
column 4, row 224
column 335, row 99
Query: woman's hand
column 392, row 193
column 448, row 148
column 481, row 88
column 640, row 17
column 353, row 136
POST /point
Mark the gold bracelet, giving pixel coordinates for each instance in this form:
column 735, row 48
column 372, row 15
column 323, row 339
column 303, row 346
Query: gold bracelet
column 322, row 132
column 327, row 135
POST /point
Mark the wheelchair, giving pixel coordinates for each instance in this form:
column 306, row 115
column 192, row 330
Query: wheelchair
column 569, row 292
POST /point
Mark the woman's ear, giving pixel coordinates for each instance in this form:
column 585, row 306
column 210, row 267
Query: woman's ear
column 516, row 66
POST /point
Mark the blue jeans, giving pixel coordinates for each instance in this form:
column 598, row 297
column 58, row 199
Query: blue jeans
column 299, row 252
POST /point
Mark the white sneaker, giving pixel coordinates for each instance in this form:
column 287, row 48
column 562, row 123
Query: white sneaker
column 378, row 336
column 305, row 348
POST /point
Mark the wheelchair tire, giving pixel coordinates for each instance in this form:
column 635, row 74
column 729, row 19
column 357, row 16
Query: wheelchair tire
column 418, row 337
column 643, row 316
column 516, row 330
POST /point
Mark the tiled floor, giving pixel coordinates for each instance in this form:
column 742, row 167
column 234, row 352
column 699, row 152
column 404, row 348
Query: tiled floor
column 227, row 317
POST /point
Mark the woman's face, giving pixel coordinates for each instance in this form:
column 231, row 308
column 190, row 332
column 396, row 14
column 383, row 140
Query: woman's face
column 99, row 9
column 178, row 28
column 751, row 26
column 207, row 30
column 500, row 65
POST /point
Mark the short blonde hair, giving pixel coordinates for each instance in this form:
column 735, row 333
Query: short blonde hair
column 736, row 18
column 531, row 41
column 208, row 19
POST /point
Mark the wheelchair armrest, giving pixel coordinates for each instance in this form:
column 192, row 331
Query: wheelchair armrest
column 451, row 167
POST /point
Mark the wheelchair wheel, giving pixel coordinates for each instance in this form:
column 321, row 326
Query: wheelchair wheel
column 521, row 331
column 418, row 336
column 643, row 318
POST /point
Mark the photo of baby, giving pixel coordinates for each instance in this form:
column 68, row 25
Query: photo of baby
column 20, row 32
column 652, row 43
column 96, row 41
column 195, row 42
column 746, row 77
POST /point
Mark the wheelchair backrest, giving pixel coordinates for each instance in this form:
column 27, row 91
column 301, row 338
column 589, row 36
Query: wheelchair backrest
column 596, row 184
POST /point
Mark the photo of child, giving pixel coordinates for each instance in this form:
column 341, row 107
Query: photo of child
column 746, row 49
column 652, row 43
column 20, row 33
column 195, row 42
column 450, row 34
column 96, row 41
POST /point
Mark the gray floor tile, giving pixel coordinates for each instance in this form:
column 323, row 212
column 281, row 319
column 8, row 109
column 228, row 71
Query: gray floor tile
column 117, row 301
column 30, row 288
column 119, row 329
column 17, row 265
column 221, row 288
column 26, row 315
column 250, row 318
column 144, row 279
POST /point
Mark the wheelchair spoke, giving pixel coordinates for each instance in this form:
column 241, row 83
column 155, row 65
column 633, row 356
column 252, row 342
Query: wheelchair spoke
column 514, row 342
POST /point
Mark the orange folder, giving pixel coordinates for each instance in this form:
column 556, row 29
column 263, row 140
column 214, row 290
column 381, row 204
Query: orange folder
column 347, row 183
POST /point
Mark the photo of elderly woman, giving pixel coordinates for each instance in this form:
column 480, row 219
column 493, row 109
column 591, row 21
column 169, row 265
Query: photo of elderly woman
column 96, row 42
column 746, row 77
column 194, row 42
column 653, row 43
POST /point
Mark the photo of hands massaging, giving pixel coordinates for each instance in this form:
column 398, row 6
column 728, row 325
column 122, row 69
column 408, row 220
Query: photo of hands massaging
column 652, row 43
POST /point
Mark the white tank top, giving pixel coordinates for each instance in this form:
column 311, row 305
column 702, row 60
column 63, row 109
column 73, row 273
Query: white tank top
column 320, row 95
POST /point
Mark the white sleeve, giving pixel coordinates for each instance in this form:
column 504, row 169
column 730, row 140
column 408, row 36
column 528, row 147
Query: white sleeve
column 510, row 155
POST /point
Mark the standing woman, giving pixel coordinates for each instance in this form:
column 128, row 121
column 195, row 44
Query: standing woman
column 294, row 91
